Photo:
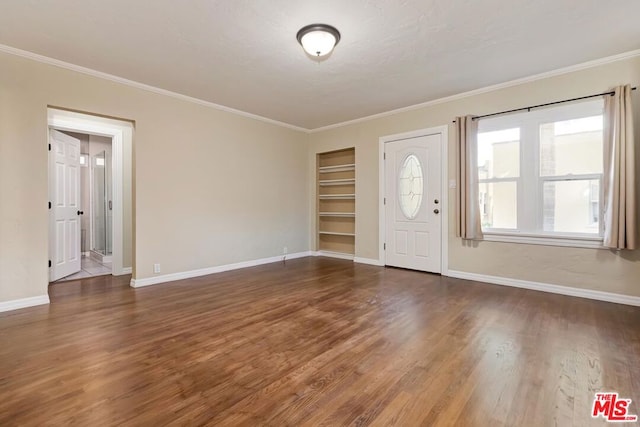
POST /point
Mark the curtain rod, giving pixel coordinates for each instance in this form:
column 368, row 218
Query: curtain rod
column 544, row 105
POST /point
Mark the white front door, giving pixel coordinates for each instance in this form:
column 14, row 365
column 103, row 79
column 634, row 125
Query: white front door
column 64, row 194
column 413, row 203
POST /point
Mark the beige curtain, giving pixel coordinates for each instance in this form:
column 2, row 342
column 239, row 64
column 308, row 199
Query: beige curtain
column 619, row 171
column 467, row 202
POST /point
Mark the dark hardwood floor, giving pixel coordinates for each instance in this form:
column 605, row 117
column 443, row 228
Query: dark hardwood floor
column 317, row 341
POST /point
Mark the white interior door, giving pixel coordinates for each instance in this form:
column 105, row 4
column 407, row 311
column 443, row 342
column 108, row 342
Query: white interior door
column 64, row 193
column 413, row 208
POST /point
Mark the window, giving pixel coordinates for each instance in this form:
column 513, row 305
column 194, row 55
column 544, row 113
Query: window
column 540, row 173
column 498, row 175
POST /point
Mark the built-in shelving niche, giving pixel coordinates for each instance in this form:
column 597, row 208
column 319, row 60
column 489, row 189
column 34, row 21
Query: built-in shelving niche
column 336, row 203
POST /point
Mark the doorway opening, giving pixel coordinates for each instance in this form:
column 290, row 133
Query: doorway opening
column 94, row 211
column 90, row 196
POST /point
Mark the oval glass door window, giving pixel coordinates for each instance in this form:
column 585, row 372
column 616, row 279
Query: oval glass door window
column 410, row 186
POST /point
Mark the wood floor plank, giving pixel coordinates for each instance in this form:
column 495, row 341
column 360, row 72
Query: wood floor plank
column 313, row 341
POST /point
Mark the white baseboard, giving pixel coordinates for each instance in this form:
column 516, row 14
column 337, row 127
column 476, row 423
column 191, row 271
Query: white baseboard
column 369, row 261
column 333, row 255
column 279, row 258
column 23, row 303
column 148, row 281
column 124, row 272
column 546, row 287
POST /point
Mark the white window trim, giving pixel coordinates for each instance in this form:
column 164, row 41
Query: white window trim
column 538, row 239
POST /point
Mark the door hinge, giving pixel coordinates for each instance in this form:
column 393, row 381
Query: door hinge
column 49, row 147
column 49, row 263
column 384, row 246
column 384, row 201
column 384, row 156
column 49, row 205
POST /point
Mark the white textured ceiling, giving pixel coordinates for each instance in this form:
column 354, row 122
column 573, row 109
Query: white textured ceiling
column 393, row 53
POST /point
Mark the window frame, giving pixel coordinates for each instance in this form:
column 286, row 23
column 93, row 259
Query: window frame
column 529, row 211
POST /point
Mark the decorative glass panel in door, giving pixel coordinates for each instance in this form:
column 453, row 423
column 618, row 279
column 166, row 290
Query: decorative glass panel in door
column 410, row 186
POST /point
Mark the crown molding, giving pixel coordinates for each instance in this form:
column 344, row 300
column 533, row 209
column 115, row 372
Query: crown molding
column 511, row 83
column 99, row 74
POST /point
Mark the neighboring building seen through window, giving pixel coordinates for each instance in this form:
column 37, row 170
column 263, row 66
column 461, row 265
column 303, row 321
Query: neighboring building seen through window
column 540, row 172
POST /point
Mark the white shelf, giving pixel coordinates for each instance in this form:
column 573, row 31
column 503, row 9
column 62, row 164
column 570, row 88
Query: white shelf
column 336, row 196
column 333, row 233
column 327, row 182
column 339, row 168
column 342, row 214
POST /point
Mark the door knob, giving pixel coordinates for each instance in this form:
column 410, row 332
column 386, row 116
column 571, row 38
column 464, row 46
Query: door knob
column 80, row 213
column 436, row 211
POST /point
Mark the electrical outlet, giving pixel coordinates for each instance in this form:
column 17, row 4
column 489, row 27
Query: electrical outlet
column 156, row 268
column 284, row 250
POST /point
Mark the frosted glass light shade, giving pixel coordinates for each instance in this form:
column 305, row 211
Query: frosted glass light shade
column 318, row 43
column 318, row 39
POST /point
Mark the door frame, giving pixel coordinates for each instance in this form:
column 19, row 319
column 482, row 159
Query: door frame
column 83, row 123
column 444, row 238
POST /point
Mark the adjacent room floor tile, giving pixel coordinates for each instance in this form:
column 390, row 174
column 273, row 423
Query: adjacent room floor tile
column 90, row 267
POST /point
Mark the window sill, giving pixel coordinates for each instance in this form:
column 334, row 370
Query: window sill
column 532, row 239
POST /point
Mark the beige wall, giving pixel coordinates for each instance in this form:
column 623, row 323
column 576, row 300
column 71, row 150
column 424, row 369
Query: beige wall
column 211, row 188
column 583, row 268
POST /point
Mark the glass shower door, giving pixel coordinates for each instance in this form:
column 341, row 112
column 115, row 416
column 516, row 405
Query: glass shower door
column 108, row 180
column 98, row 196
column 101, row 204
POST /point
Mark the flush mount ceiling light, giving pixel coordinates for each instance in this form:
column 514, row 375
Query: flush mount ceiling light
column 318, row 39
